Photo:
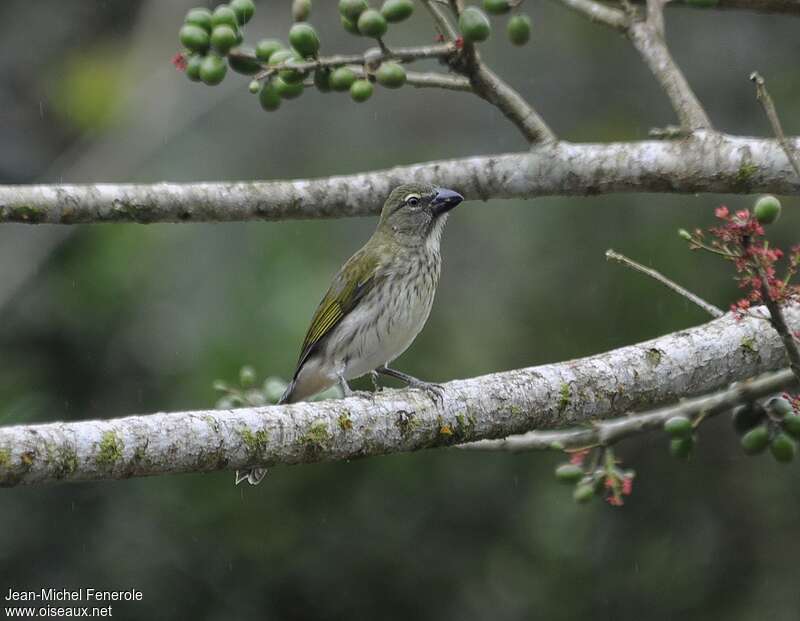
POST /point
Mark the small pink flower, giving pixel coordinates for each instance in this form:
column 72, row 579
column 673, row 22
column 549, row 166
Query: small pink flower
column 179, row 61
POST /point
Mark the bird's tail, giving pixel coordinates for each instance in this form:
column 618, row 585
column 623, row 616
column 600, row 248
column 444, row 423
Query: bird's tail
column 255, row 475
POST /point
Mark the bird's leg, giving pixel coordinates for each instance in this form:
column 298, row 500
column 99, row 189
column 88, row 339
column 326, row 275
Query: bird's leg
column 373, row 375
column 344, row 387
column 435, row 391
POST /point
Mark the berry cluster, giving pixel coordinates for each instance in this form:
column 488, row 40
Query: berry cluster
column 774, row 424
column 213, row 41
column 602, row 477
column 475, row 26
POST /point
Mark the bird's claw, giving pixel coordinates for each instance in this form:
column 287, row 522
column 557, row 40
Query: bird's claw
column 434, row 391
column 373, row 375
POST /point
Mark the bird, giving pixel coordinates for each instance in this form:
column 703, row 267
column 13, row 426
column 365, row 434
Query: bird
column 378, row 302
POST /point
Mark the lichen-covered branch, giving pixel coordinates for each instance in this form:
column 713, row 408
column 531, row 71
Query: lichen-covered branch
column 605, row 433
column 702, row 163
column 567, row 394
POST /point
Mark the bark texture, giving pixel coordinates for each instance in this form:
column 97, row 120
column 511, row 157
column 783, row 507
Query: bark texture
column 566, row 394
column 704, row 162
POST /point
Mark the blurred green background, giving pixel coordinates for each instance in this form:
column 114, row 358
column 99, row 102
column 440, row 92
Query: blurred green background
column 109, row 320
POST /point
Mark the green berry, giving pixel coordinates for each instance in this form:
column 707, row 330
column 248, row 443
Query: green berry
column 193, row 67
column 224, row 14
column 747, row 416
column 496, row 7
column 349, row 26
column 269, row 97
column 755, row 440
column 678, row 426
column 322, row 79
column 583, row 492
column 342, row 79
column 301, row 10
column 372, row 24
column 779, row 407
column 286, row 57
column 767, row 209
column 266, row 48
column 287, row 90
column 199, row 17
column 474, row 25
column 243, row 9
column 783, row 448
column 792, row 425
column 223, row 38
column 361, row 90
column 391, row 75
column 241, row 61
column 519, row 29
column 304, row 39
column 213, row 69
column 351, row 9
column 247, row 376
column 397, row 10
column 254, row 86
column 681, row 448
column 273, row 389
column 194, row 38
column 569, row 473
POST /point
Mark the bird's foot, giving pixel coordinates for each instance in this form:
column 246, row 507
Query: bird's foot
column 373, row 375
column 253, row 476
column 348, row 392
column 434, row 391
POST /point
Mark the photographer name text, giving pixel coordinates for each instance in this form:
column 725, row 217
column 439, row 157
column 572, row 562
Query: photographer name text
column 77, row 595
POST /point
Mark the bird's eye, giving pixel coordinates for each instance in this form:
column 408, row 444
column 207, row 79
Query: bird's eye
column 412, row 199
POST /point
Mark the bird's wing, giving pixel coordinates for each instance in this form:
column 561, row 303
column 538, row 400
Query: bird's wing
column 356, row 278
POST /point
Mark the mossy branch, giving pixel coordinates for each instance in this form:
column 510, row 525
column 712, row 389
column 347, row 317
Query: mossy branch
column 702, row 163
column 643, row 376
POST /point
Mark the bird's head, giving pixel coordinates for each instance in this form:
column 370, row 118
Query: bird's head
column 417, row 211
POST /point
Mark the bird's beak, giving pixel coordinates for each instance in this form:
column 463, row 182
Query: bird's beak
column 444, row 201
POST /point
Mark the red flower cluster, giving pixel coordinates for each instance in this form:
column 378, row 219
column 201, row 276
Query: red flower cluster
column 740, row 239
column 578, row 457
column 617, row 486
column 179, row 61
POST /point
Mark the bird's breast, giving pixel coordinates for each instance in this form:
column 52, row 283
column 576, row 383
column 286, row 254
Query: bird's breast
column 389, row 318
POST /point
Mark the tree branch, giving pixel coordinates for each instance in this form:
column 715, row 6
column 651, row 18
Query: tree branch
column 605, row 433
column 670, row 284
column 443, row 25
column 702, row 163
column 645, row 375
column 490, row 87
column 647, row 36
column 772, row 115
column 784, row 7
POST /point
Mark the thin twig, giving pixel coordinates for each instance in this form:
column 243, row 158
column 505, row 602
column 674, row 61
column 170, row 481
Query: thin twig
column 443, row 25
column 428, row 79
column 778, row 322
column 605, row 433
column 769, row 109
column 490, row 87
column 400, row 54
column 600, row 13
column 670, row 284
